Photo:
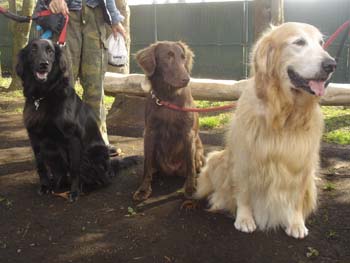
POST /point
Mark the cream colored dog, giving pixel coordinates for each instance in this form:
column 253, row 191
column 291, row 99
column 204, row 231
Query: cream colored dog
column 266, row 173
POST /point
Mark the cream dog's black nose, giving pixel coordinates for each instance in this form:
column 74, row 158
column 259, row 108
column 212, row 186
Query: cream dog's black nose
column 329, row 65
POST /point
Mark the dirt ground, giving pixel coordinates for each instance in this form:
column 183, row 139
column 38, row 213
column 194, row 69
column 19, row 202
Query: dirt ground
column 107, row 226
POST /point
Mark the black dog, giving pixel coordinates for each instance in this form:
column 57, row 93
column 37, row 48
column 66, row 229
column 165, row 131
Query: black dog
column 67, row 144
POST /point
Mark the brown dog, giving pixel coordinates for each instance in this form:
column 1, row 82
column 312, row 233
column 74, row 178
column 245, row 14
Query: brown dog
column 171, row 142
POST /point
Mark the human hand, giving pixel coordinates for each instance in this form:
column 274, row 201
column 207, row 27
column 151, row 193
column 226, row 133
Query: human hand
column 118, row 28
column 59, row 6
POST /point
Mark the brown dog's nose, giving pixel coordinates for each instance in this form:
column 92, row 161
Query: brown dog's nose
column 329, row 65
column 185, row 80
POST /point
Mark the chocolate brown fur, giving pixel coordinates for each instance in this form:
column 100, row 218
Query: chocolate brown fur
column 171, row 142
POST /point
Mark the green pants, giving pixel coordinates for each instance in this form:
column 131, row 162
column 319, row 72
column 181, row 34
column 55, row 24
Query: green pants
column 87, row 58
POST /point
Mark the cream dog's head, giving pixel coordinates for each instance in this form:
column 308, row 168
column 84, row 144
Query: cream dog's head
column 291, row 56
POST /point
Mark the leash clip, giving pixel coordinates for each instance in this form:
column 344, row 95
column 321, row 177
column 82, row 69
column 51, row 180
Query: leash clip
column 154, row 97
column 61, row 45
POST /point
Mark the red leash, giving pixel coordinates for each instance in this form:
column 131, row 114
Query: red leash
column 62, row 37
column 184, row 109
column 335, row 34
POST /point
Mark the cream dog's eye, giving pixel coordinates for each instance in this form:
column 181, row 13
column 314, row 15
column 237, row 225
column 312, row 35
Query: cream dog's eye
column 300, row 42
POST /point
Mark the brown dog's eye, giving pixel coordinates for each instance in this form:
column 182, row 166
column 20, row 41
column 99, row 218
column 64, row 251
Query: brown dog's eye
column 183, row 56
column 300, row 42
column 171, row 54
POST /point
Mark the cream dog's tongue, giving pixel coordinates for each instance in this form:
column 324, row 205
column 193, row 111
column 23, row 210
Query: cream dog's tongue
column 317, row 87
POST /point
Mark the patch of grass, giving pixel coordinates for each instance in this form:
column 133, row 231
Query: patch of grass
column 337, row 120
column 331, row 234
column 213, row 122
column 108, row 99
column 329, row 186
column 207, row 104
column 6, row 202
column 5, row 82
column 312, row 252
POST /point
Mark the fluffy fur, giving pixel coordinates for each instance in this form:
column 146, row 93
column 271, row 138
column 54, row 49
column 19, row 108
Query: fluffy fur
column 266, row 173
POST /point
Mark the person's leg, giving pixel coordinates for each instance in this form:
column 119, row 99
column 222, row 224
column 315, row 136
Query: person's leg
column 93, row 65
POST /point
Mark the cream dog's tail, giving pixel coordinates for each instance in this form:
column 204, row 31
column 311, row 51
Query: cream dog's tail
column 204, row 182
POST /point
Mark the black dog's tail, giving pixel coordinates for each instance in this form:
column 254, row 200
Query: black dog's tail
column 95, row 168
column 119, row 163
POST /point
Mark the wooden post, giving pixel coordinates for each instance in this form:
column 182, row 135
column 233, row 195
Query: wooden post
column 20, row 37
column 267, row 12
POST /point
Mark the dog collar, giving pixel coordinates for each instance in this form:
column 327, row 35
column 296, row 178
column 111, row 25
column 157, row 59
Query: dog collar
column 37, row 102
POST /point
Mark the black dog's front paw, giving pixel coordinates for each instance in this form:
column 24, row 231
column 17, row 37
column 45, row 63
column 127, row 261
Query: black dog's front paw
column 73, row 196
column 44, row 190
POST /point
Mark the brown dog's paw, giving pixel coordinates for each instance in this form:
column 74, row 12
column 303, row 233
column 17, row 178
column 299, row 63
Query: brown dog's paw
column 142, row 194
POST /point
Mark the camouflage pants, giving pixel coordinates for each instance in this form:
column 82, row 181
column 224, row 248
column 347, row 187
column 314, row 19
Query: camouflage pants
column 87, row 58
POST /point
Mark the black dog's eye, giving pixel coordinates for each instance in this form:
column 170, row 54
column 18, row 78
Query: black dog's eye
column 49, row 50
column 171, row 54
column 34, row 49
column 300, row 42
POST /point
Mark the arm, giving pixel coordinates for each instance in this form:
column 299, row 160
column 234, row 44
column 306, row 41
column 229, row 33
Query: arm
column 59, row 6
column 116, row 17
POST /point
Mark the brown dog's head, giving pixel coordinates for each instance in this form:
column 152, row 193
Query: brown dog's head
column 172, row 61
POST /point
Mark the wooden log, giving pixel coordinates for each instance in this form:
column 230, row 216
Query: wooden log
column 202, row 89
column 210, row 89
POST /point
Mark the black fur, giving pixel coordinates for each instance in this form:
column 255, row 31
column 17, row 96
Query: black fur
column 67, row 144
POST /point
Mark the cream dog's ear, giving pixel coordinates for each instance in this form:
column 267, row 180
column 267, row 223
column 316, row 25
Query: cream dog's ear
column 146, row 59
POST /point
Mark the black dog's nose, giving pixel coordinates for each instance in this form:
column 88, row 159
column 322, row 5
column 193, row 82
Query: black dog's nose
column 329, row 65
column 44, row 64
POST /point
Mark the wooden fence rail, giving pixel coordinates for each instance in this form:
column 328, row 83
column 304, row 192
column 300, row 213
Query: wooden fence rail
column 210, row 89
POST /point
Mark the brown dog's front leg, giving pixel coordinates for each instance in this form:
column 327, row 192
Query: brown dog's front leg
column 190, row 184
column 145, row 189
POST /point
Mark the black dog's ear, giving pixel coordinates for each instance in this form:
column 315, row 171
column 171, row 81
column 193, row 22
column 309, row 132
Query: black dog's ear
column 22, row 61
column 146, row 58
column 60, row 58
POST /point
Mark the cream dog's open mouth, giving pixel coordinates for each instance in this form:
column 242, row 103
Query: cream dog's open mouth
column 315, row 86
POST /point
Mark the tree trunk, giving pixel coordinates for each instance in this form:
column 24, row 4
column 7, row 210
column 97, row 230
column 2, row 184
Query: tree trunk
column 123, row 7
column 20, row 33
column 267, row 12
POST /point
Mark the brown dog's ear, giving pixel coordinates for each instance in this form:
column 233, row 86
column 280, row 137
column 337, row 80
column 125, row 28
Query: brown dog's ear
column 146, row 59
column 188, row 54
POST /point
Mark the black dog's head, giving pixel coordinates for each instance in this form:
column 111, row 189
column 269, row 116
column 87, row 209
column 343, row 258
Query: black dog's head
column 41, row 60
